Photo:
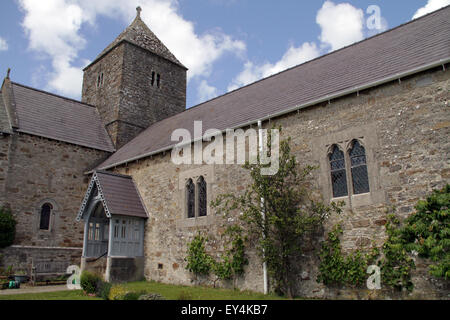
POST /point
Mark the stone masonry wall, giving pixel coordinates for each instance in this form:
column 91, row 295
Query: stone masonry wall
column 21, row 257
column 4, row 147
column 142, row 103
column 39, row 171
column 127, row 101
column 404, row 128
column 106, row 97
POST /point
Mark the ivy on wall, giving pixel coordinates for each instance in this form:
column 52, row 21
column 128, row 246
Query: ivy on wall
column 231, row 262
column 340, row 269
column 7, row 227
column 425, row 233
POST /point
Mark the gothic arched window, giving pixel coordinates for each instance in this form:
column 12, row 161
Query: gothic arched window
column 46, row 209
column 190, row 199
column 338, row 172
column 202, row 197
column 358, row 162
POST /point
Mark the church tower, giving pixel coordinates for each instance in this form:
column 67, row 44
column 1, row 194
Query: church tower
column 135, row 82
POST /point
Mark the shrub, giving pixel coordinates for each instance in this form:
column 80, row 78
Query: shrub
column 7, row 228
column 117, row 292
column 151, row 296
column 133, row 295
column 103, row 289
column 89, row 282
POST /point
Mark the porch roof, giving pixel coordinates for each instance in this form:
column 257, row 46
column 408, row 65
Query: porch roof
column 118, row 194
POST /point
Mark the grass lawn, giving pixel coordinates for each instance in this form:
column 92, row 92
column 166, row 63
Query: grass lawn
column 170, row 292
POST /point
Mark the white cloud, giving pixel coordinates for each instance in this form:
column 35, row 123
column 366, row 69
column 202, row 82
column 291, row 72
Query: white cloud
column 341, row 24
column 206, row 92
column 3, row 44
column 291, row 58
column 54, row 28
column 432, row 5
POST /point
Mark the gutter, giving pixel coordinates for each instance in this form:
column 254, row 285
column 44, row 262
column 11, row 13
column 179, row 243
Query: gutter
column 397, row 76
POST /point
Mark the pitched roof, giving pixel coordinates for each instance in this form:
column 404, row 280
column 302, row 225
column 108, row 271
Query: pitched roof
column 118, row 193
column 139, row 34
column 47, row 115
column 396, row 52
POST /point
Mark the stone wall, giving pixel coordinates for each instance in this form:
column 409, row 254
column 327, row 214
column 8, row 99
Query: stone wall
column 127, row 101
column 106, row 97
column 142, row 103
column 40, row 171
column 4, row 147
column 404, row 127
column 21, row 257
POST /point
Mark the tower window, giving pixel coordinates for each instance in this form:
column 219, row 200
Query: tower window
column 158, row 80
column 153, row 78
column 100, row 80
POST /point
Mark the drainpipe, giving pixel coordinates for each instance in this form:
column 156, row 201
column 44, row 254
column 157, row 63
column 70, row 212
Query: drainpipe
column 260, row 137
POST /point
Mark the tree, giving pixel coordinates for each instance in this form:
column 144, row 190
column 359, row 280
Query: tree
column 7, row 227
column 284, row 219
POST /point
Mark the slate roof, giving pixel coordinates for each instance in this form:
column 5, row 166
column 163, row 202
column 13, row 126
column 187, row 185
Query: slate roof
column 119, row 195
column 413, row 45
column 139, row 34
column 47, row 115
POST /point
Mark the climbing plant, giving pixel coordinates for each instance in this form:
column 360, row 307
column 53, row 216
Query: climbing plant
column 229, row 265
column 396, row 263
column 291, row 215
column 198, row 261
column 7, row 227
column 427, row 232
column 339, row 269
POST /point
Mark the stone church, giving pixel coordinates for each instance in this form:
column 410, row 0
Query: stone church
column 92, row 182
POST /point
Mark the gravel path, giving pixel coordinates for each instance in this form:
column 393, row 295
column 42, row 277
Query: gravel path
column 26, row 289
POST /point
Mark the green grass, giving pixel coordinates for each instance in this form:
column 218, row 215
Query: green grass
column 169, row 292
column 174, row 292
column 58, row 295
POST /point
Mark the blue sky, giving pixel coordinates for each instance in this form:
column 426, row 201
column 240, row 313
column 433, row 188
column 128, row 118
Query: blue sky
column 225, row 43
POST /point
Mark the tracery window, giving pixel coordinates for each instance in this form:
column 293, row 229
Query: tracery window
column 190, row 198
column 338, row 172
column 360, row 178
column 202, row 197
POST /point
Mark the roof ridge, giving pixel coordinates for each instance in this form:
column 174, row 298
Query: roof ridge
column 54, row 94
